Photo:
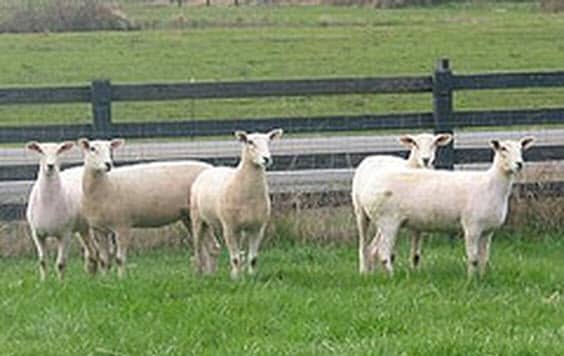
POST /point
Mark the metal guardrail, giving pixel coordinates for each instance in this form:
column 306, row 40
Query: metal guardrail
column 332, row 152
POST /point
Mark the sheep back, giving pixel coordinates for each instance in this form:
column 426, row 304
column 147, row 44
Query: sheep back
column 143, row 195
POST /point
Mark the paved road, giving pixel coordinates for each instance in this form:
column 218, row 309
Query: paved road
column 192, row 149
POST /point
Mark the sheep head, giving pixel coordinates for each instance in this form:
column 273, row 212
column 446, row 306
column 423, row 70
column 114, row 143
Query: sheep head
column 256, row 146
column 49, row 162
column 509, row 154
column 423, row 148
column 98, row 155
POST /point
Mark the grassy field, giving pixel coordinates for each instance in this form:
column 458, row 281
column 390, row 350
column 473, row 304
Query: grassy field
column 308, row 297
column 306, row 300
column 225, row 43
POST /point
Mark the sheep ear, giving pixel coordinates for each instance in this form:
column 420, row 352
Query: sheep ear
column 83, row 143
column 116, row 143
column 276, row 133
column 65, row 146
column 527, row 142
column 34, row 146
column 241, row 136
column 407, row 140
column 443, row 139
column 495, row 145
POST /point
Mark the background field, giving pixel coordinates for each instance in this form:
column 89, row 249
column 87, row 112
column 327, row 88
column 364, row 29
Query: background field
column 262, row 42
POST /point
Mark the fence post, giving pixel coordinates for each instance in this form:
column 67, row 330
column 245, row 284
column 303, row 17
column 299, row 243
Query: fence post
column 442, row 111
column 101, row 91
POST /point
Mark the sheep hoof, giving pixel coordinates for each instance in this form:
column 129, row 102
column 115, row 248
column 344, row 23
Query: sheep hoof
column 91, row 266
column 416, row 260
column 234, row 275
column 121, row 273
column 363, row 270
column 61, row 270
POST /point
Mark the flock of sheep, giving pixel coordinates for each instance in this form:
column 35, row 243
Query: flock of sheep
column 102, row 203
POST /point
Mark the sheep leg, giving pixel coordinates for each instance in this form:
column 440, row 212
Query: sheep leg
column 111, row 238
column 471, row 239
column 388, row 232
column 204, row 261
column 40, row 246
column 213, row 245
column 254, row 243
column 198, row 229
column 101, row 242
column 213, row 249
column 188, row 240
column 122, row 237
column 373, row 250
column 232, row 243
column 90, row 258
column 209, row 249
column 484, row 253
column 362, row 222
column 416, row 240
column 63, row 243
column 208, row 266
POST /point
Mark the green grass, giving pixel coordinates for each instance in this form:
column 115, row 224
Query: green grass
column 306, row 300
column 287, row 42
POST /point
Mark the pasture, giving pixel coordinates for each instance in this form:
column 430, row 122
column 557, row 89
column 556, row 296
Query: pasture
column 283, row 43
column 308, row 297
column 306, row 300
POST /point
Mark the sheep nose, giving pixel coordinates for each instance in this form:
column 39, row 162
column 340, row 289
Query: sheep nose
column 267, row 161
column 426, row 162
column 108, row 166
column 519, row 165
column 50, row 166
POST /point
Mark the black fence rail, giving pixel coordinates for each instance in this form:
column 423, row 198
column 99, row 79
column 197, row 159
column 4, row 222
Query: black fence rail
column 442, row 118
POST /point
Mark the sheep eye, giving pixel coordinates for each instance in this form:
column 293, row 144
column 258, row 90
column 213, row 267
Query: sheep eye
column 252, row 143
column 504, row 149
column 92, row 149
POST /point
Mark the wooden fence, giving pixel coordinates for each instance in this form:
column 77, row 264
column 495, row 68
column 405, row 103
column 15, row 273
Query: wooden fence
column 443, row 117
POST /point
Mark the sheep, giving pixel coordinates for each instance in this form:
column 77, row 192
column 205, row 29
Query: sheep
column 54, row 207
column 427, row 200
column 234, row 201
column 422, row 155
column 143, row 195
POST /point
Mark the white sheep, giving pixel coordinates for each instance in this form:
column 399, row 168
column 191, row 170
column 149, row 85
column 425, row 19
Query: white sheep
column 428, row 200
column 54, row 207
column 422, row 155
column 137, row 196
column 234, row 201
